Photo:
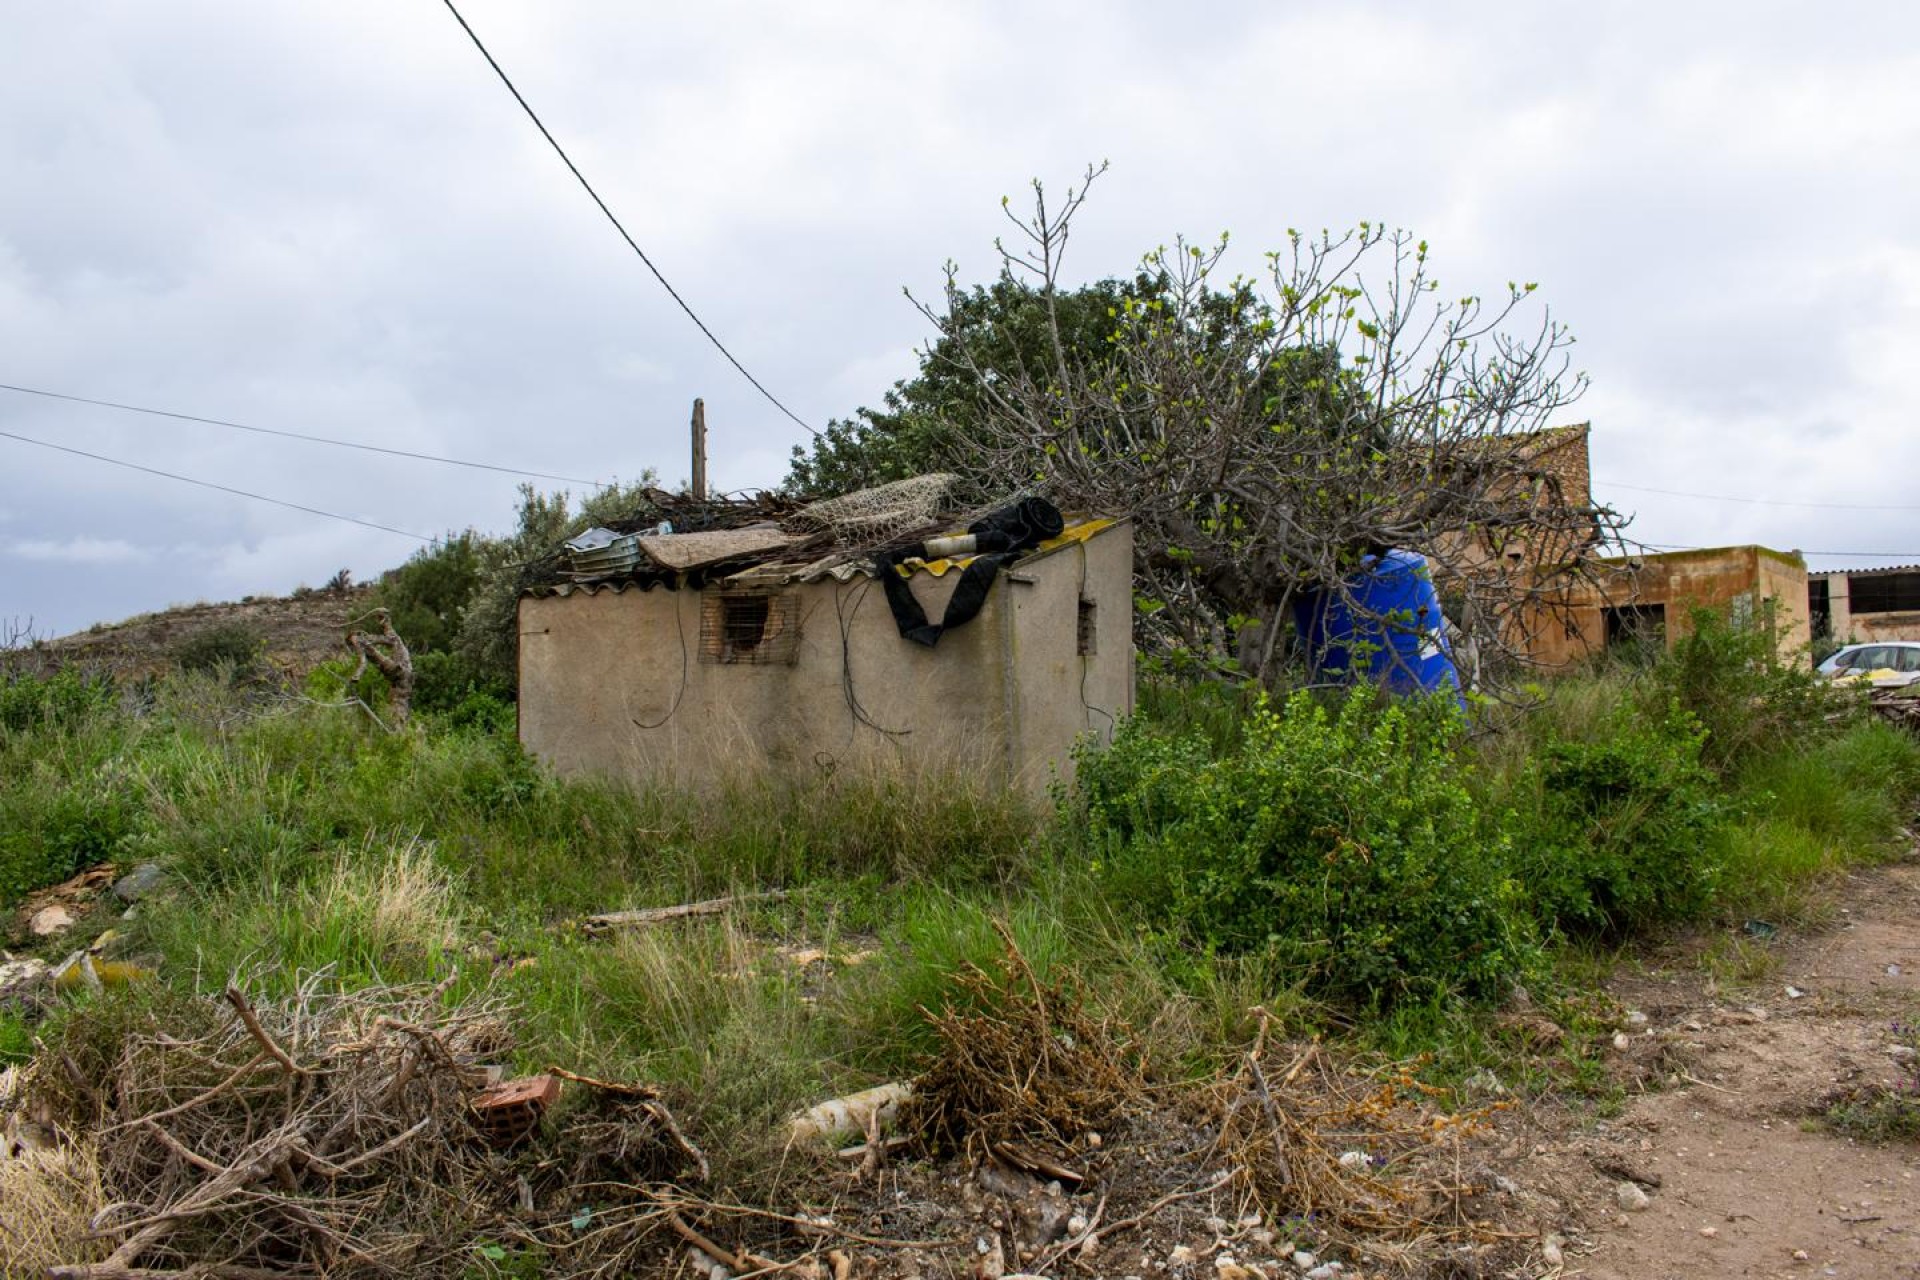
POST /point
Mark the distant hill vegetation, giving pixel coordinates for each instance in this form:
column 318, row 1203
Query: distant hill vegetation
column 292, row 633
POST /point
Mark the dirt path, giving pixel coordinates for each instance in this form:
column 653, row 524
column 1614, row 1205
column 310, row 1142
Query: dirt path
column 1747, row 1184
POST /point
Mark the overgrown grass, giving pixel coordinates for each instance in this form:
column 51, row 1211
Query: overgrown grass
column 1331, row 866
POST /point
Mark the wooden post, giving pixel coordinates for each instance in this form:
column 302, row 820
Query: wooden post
column 699, row 484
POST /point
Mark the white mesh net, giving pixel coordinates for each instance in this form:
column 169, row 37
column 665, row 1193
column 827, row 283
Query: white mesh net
column 867, row 517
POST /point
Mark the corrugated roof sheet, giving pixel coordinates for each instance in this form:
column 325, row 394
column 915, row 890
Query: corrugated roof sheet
column 1856, row 573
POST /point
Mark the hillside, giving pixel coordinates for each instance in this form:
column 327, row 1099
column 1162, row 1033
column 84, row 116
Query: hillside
column 296, row 632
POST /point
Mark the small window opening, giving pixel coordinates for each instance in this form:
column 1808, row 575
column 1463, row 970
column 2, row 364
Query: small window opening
column 1089, row 635
column 743, row 626
column 749, row 627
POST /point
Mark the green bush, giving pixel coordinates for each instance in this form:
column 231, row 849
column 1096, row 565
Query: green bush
column 1345, row 843
column 16, row 1039
column 51, row 828
column 1749, row 699
column 1620, row 825
column 429, row 594
column 448, row 685
column 234, row 646
column 55, row 701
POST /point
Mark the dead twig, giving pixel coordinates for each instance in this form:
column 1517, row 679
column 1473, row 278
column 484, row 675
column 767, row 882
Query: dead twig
column 642, row 916
column 238, row 999
column 719, row 1253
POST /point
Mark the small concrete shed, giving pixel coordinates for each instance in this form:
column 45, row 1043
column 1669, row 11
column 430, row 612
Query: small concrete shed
column 690, row 678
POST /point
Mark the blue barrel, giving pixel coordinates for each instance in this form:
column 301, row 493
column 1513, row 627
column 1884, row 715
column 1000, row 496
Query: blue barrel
column 1392, row 632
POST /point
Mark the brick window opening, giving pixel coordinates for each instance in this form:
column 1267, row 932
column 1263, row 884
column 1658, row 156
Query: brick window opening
column 1089, row 635
column 749, row 627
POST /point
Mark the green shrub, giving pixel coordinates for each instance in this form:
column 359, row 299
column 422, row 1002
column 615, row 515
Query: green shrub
column 234, row 646
column 1730, row 678
column 1620, row 826
column 16, row 1039
column 448, row 685
column 1345, row 843
column 60, row 700
column 52, row 827
column 429, row 594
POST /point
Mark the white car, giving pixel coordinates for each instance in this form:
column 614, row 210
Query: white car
column 1898, row 661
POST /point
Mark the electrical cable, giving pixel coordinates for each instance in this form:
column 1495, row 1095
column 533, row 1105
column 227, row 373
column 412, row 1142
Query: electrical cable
column 208, row 484
column 846, row 619
column 680, row 629
column 1765, row 502
column 297, row 435
column 617, row 226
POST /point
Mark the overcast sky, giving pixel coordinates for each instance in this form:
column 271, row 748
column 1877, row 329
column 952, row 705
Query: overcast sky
column 331, row 218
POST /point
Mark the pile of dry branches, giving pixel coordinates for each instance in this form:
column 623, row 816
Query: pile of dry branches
column 1027, row 1062
column 322, row 1133
column 1367, row 1160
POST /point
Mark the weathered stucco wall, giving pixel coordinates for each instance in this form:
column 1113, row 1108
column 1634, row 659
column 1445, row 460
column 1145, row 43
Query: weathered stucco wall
column 1060, row 692
column 616, row 682
column 1882, row 626
column 1753, row 582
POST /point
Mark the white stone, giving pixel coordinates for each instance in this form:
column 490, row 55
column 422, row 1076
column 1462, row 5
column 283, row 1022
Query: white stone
column 48, row 921
column 1630, row 1197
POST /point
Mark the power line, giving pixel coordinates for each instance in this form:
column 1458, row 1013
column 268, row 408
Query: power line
column 1767, row 502
column 631, row 242
column 297, row 435
column 208, row 484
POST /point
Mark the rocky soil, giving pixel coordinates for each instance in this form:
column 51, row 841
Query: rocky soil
column 1728, row 1168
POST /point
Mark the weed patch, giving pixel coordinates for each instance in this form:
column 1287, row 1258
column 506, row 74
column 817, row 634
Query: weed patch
column 1885, row 1113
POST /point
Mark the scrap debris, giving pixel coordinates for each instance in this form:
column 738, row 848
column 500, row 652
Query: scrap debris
column 369, row 1133
column 507, row 1113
